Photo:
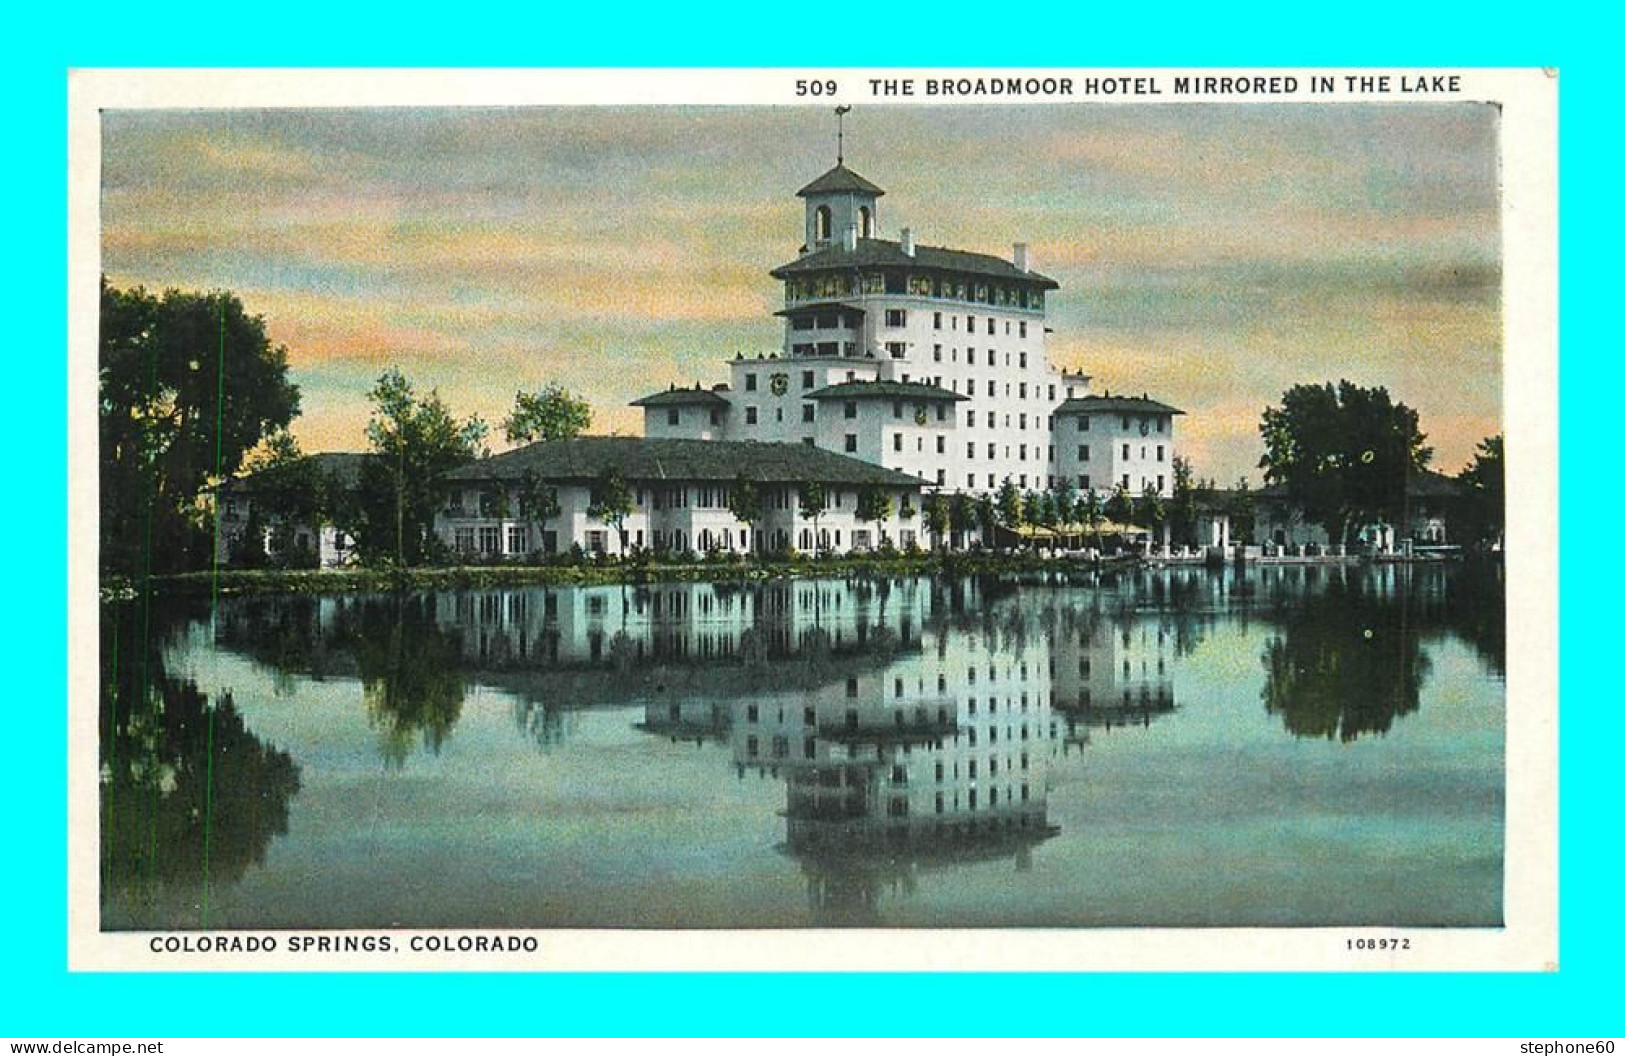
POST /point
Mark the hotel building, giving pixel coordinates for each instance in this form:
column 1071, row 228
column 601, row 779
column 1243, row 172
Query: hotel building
column 926, row 360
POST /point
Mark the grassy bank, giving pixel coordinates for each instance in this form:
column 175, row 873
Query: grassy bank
column 375, row 580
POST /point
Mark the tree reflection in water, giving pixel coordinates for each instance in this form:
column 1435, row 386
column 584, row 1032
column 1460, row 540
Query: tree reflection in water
column 411, row 675
column 1347, row 661
column 189, row 797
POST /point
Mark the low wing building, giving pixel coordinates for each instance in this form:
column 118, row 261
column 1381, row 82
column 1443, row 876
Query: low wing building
column 550, row 496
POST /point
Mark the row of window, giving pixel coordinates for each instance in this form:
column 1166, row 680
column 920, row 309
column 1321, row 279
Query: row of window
column 970, row 326
column 991, row 359
column 1083, row 452
column 847, row 284
column 488, row 540
column 1147, row 423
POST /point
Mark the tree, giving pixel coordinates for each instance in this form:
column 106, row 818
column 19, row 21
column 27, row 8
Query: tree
column 1344, row 453
column 1065, row 499
column 813, row 501
column 417, row 441
column 874, row 506
column 1092, row 510
column 1009, row 505
column 1120, row 507
column 938, row 518
column 987, row 518
column 289, row 490
column 961, row 512
column 189, row 383
column 538, row 501
column 1149, row 511
column 1182, row 510
column 1242, row 509
column 553, row 413
column 611, row 503
column 1032, row 509
column 745, row 503
column 1484, row 509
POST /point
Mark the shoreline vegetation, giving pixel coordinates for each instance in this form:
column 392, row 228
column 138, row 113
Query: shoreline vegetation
column 589, row 572
column 614, row 571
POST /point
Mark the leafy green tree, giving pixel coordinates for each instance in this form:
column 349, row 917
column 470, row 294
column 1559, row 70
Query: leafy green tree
column 1064, row 498
column 1343, row 453
column 987, row 518
column 1009, row 505
column 189, row 384
column 938, row 518
column 1032, row 509
column 1091, row 510
column 874, row 506
column 961, row 512
column 1120, row 507
column 538, row 500
column 552, row 413
column 1242, row 509
column 416, row 440
column 745, row 503
column 1150, row 511
column 290, row 491
column 1484, row 509
column 611, row 503
column 813, row 500
column 1182, row 510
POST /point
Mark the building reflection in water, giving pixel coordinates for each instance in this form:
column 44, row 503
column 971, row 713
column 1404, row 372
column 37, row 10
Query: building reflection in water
column 941, row 756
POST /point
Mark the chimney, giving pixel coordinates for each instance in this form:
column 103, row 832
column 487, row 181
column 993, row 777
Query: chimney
column 1022, row 264
column 908, row 241
column 849, row 238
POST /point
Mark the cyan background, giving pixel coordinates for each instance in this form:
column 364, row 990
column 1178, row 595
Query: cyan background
column 40, row 999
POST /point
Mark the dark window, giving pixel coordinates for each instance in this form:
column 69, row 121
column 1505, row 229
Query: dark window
column 852, row 444
column 750, row 383
column 809, row 412
column 674, row 416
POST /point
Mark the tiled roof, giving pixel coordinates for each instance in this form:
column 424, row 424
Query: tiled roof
column 643, row 459
column 1115, row 404
column 680, row 398
column 343, row 467
column 891, row 390
column 878, row 252
column 838, row 180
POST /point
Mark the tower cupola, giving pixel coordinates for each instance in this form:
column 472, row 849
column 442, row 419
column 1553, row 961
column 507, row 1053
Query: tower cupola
column 840, row 206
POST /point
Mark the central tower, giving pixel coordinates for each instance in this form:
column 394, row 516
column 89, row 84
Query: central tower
column 841, row 208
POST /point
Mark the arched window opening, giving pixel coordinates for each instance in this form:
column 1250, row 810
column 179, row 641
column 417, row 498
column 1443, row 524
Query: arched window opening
column 821, row 222
column 866, row 223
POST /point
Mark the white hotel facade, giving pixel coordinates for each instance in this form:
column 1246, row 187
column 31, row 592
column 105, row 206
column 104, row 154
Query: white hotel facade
column 924, row 360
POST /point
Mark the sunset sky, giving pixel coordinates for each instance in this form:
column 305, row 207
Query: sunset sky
column 1208, row 255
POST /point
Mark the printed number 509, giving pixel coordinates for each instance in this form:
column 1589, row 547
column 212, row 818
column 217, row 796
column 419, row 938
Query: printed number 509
column 815, row 87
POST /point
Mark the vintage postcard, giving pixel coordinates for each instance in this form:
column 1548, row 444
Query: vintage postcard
column 813, row 519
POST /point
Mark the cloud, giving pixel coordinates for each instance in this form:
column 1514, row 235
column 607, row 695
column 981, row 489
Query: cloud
column 1210, row 255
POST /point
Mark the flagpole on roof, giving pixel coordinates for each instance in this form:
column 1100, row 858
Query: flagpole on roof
column 840, row 133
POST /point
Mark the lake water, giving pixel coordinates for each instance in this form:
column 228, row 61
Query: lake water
column 1293, row 746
